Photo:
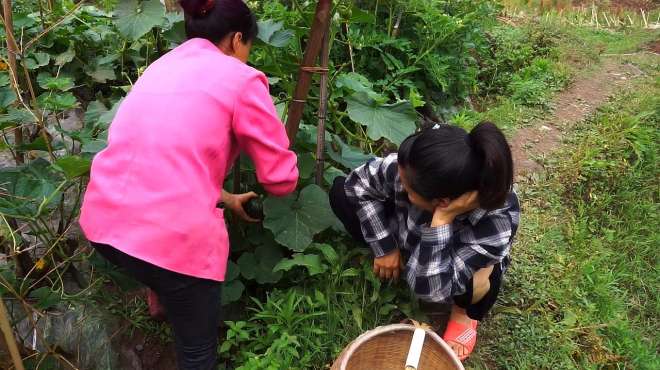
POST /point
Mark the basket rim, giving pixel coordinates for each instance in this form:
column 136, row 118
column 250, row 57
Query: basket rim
column 394, row 327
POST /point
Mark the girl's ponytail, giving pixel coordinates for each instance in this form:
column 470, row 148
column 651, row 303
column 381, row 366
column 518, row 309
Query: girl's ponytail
column 496, row 177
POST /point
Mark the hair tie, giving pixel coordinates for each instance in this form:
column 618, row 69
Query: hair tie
column 207, row 7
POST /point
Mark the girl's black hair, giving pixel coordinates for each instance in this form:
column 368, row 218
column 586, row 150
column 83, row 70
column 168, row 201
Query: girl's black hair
column 215, row 19
column 446, row 162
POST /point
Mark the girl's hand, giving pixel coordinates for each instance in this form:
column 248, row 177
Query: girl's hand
column 388, row 266
column 235, row 203
column 465, row 203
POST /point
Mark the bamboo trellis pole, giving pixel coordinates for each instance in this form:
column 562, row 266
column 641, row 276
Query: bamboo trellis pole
column 323, row 108
column 12, row 50
column 8, row 333
column 314, row 44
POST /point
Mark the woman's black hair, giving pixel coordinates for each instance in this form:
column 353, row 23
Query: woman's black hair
column 446, row 162
column 215, row 19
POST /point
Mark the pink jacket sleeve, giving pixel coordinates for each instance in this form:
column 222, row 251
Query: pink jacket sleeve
column 261, row 135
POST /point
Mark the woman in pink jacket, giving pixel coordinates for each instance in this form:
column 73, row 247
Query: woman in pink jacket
column 150, row 206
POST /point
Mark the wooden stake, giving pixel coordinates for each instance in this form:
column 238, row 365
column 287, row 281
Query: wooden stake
column 323, row 108
column 12, row 50
column 350, row 46
column 397, row 24
column 236, row 185
column 646, row 22
column 171, row 5
column 319, row 27
column 8, row 333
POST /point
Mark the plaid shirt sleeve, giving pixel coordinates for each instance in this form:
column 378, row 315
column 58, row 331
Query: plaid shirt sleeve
column 446, row 260
column 369, row 186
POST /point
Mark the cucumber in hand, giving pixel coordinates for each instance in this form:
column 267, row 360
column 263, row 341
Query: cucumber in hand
column 255, row 208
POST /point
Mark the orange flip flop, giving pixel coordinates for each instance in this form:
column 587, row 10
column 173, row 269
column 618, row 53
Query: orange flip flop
column 465, row 336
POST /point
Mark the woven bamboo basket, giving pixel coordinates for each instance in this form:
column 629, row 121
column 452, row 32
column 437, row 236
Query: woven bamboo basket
column 386, row 348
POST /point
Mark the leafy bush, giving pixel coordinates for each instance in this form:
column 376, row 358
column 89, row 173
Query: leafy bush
column 534, row 84
column 511, row 49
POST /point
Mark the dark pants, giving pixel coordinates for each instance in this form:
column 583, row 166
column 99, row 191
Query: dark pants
column 347, row 214
column 192, row 306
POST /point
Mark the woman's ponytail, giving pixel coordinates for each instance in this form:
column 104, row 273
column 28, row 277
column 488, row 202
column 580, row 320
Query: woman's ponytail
column 496, row 177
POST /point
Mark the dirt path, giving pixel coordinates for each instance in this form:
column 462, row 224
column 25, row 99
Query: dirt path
column 573, row 105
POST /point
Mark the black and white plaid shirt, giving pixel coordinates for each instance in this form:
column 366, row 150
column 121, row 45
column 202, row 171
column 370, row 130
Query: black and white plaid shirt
column 440, row 260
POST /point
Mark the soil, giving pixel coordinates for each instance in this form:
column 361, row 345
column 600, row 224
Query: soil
column 153, row 354
column 530, row 145
column 653, row 46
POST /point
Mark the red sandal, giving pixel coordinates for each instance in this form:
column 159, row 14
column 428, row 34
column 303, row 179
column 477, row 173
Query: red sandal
column 156, row 310
column 465, row 336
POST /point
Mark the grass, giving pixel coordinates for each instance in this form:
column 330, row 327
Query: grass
column 615, row 42
column 582, row 290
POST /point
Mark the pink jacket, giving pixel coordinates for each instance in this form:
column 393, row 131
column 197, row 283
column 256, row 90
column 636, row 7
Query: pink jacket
column 153, row 191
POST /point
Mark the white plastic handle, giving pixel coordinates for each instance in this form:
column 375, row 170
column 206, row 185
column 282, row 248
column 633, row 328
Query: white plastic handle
column 415, row 351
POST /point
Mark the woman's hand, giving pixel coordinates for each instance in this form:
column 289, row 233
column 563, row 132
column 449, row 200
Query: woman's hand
column 465, row 203
column 235, row 203
column 388, row 266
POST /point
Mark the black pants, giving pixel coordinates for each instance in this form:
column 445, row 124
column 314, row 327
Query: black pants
column 192, row 306
column 347, row 214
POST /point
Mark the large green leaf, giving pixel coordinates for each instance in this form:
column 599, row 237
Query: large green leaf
column 4, row 79
column 312, row 262
column 101, row 73
column 328, row 252
column 259, row 265
column 176, row 34
column 295, row 221
column 360, row 16
column 66, row 56
column 93, row 113
column 354, row 81
column 39, row 144
column 48, row 82
column 331, row 173
column 394, row 122
column 134, row 19
column 271, row 33
column 45, row 297
column 231, row 291
column 28, row 189
column 7, row 97
column 57, row 101
column 248, row 265
column 306, row 165
column 15, row 117
column 108, row 116
column 172, row 19
column 37, row 60
column 346, row 155
column 73, row 166
column 233, row 271
column 93, row 146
